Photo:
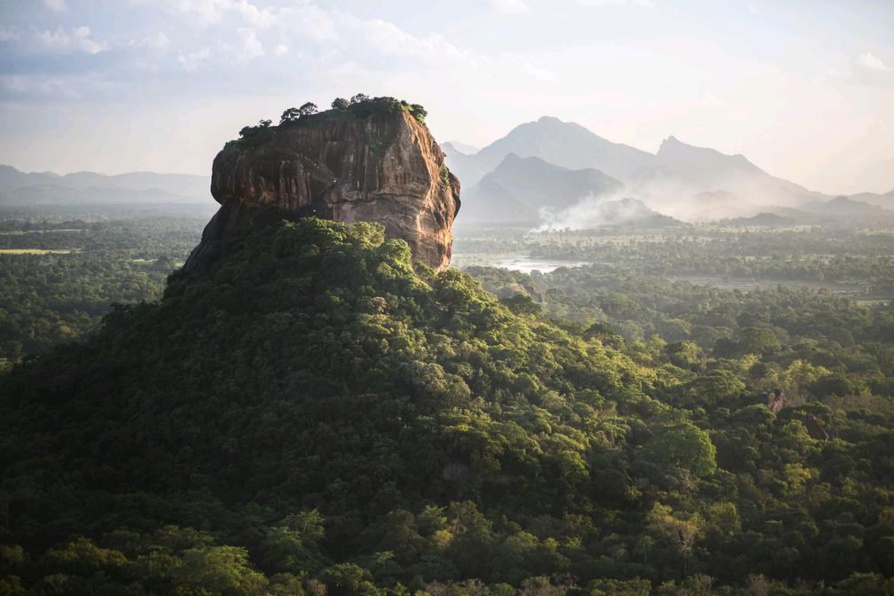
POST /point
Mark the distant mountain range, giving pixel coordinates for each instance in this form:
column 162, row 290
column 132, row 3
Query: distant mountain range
column 22, row 189
column 560, row 143
column 520, row 187
column 882, row 200
column 556, row 164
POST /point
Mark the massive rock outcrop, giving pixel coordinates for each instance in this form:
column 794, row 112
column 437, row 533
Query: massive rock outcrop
column 378, row 164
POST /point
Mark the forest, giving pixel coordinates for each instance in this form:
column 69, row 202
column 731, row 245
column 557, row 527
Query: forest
column 62, row 271
column 320, row 415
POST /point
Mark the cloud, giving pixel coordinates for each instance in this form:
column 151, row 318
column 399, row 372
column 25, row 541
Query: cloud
column 157, row 42
column 510, row 6
column 56, row 5
column 251, row 46
column 77, row 40
column 871, row 62
column 39, row 86
column 209, row 12
column 195, row 60
column 281, row 49
column 8, row 35
column 391, row 40
column 308, row 22
column 599, row 3
column 539, row 74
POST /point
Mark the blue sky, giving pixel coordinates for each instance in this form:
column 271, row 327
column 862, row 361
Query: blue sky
column 804, row 88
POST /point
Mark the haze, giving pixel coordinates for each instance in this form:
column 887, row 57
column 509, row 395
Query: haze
column 804, row 89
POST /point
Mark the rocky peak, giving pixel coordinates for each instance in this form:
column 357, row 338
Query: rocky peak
column 370, row 161
column 676, row 152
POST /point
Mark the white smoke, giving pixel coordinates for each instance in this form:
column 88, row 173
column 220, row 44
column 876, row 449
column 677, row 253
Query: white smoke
column 691, row 203
column 593, row 212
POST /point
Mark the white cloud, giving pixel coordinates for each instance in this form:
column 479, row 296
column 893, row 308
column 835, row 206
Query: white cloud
column 510, row 6
column 309, row 22
column 281, row 49
column 56, row 5
column 642, row 3
column 157, row 42
column 394, row 41
column 539, row 74
column 8, row 35
column 195, row 60
column 38, row 85
column 871, row 62
column 77, row 40
column 208, row 12
column 251, row 46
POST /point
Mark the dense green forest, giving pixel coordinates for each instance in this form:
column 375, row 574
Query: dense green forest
column 61, row 272
column 319, row 415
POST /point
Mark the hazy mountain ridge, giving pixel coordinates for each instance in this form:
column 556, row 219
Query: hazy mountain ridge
column 564, row 144
column 19, row 188
column 520, row 187
column 680, row 180
column 882, row 200
column 845, row 206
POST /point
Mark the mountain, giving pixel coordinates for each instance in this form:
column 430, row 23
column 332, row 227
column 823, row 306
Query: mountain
column 844, row 207
column 458, row 147
column 20, row 188
column 519, row 189
column 13, row 178
column 730, row 183
column 672, row 181
column 50, row 194
column 314, row 400
column 768, row 220
column 700, row 163
column 882, row 200
column 564, row 144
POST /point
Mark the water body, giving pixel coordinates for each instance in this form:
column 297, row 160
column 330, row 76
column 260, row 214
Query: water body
column 526, row 264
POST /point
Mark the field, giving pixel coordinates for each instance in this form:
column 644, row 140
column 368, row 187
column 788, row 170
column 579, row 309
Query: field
column 36, row 251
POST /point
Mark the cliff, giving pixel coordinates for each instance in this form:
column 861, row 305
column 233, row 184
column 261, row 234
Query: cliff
column 379, row 164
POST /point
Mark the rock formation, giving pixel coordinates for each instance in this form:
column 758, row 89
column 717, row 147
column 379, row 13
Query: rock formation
column 774, row 399
column 378, row 164
column 818, row 430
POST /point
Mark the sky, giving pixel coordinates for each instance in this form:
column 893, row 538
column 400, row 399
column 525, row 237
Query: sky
column 803, row 88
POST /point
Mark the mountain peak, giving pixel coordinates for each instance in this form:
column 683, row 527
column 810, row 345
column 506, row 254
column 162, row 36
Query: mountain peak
column 674, row 151
column 672, row 143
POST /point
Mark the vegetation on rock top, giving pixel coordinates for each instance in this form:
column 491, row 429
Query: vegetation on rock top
column 360, row 106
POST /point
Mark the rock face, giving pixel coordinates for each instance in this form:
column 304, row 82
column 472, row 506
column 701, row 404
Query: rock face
column 384, row 167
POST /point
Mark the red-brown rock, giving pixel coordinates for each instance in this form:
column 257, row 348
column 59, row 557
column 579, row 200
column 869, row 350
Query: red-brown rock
column 384, row 167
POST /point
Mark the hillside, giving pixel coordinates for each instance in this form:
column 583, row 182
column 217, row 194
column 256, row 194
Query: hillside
column 313, row 371
column 520, row 188
column 314, row 411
